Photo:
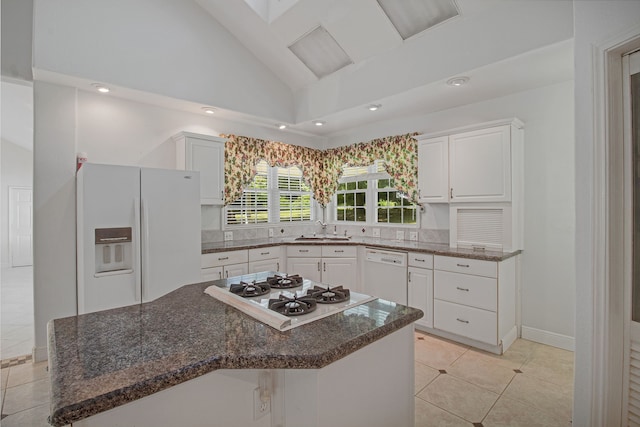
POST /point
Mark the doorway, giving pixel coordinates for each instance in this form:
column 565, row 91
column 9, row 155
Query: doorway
column 16, row 234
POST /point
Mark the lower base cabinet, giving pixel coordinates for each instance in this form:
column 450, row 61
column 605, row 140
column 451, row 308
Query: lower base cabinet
column 475, row 300
column 420, row 286
column 331, row 265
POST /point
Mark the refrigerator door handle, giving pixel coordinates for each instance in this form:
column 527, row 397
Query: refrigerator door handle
column 137, row 251
column 145, row 248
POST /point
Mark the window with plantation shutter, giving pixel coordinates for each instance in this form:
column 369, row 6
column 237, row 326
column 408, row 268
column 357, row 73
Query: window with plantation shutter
column 276, row 194
column 294, row 195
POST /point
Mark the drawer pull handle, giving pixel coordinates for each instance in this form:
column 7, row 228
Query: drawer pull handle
column 223, row 258
column 264, row 253
column 462, row 320
column 420, row 260
column 338, row 251
column 303, row 250
column 463, row 265
column 318, row 265
column 462, row 289
column 278, row 265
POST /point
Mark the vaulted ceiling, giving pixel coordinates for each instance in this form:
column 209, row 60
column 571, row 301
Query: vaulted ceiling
column 503, row 46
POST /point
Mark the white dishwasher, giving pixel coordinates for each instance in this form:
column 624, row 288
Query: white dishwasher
column 385, row 275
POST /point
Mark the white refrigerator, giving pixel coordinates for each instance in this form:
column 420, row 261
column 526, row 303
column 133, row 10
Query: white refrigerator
column 138, row 234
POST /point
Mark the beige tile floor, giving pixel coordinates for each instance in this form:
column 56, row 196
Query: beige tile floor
column 455, row 386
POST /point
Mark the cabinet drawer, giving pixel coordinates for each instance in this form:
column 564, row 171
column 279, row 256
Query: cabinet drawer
column 339, row 251
column 224, row 258
column 304, row 251
column 474, row 323
column 467, row 266
column 417, row 259
column 259, row 254
column 474, row 291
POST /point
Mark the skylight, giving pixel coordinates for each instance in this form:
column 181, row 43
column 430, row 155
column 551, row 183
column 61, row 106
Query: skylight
column 411, row 17
column 320, row 52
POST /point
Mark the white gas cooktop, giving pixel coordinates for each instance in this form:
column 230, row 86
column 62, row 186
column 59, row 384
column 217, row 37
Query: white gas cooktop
column 258, row 306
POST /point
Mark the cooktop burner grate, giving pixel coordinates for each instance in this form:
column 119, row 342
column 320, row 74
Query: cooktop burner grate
column 252, row 289
column 328, row 295
column 284, row 282
column 292, row 306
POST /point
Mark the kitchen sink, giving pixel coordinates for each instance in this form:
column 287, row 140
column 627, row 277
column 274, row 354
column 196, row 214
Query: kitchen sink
column 323, row 237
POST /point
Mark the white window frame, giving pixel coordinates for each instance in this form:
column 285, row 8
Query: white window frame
column 372, row 176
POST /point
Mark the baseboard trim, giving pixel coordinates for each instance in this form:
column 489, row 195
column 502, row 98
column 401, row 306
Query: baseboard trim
column 549, row 338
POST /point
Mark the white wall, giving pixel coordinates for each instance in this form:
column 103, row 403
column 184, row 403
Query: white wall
column 16, row 171
column 595, row 23
column 166, row 47
column 17, row 25
column 548, row 289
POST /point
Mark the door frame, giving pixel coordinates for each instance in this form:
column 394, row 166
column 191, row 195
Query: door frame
column 608, row 337
column 12, row 213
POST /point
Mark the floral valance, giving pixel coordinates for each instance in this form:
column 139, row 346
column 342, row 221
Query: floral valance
column 321, row 169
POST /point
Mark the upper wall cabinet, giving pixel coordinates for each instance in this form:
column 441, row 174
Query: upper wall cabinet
column 472, row 164
column 205, row 154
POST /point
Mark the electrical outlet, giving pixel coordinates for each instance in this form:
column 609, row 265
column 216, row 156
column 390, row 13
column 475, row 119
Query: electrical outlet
column 261, row 406
column 228, row 235
column 271, row 232
column 375, row 232
column 399, row 235
column 413, row 236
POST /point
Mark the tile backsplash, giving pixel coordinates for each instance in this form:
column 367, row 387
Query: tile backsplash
column 389, row 233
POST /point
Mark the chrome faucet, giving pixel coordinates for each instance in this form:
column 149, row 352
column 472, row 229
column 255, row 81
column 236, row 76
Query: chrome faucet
column 324, row 225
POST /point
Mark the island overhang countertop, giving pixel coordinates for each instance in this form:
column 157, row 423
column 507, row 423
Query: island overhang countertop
column 101, row 360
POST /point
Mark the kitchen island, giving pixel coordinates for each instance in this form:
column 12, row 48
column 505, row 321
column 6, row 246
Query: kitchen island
column 189, row 359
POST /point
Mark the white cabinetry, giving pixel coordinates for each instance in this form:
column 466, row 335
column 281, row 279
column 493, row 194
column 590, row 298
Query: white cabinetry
column 330, row 264
column 471, row 164
column 264, row 259
column 205, row 154
column 476, row 300
column 420, row 286
column 220, row 265
column 479, row 171
column 433, row 169
column 480, row 165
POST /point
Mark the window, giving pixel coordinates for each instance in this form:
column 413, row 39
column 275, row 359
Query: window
column 253, row 206
column 392, row 208
column 367, row 194
column 351, row 200
column 295, row 195
column 275, row 195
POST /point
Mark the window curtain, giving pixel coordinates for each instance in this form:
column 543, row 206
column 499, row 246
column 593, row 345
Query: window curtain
column 320, row 169
column 242, row 154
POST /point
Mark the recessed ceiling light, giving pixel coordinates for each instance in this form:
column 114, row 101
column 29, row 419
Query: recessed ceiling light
column 374, row 107
column 281, row 126
column 458, row 81
column 208, row 110
column 319, row 122
column 100, row 87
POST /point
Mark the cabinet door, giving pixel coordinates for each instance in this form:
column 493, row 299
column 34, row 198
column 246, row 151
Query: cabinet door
column 264, row 265
column 420, row 288
column 235, row 270
column 340, row 271
column 480, row 165
column 433, row 170
column 309, row 268
column 205, row 154
column 212, row 273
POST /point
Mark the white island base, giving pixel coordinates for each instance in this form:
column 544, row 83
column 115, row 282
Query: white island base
column 373, row 386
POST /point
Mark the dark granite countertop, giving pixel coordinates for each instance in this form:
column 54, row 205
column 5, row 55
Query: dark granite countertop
column 101, row 360
column 398, row 245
